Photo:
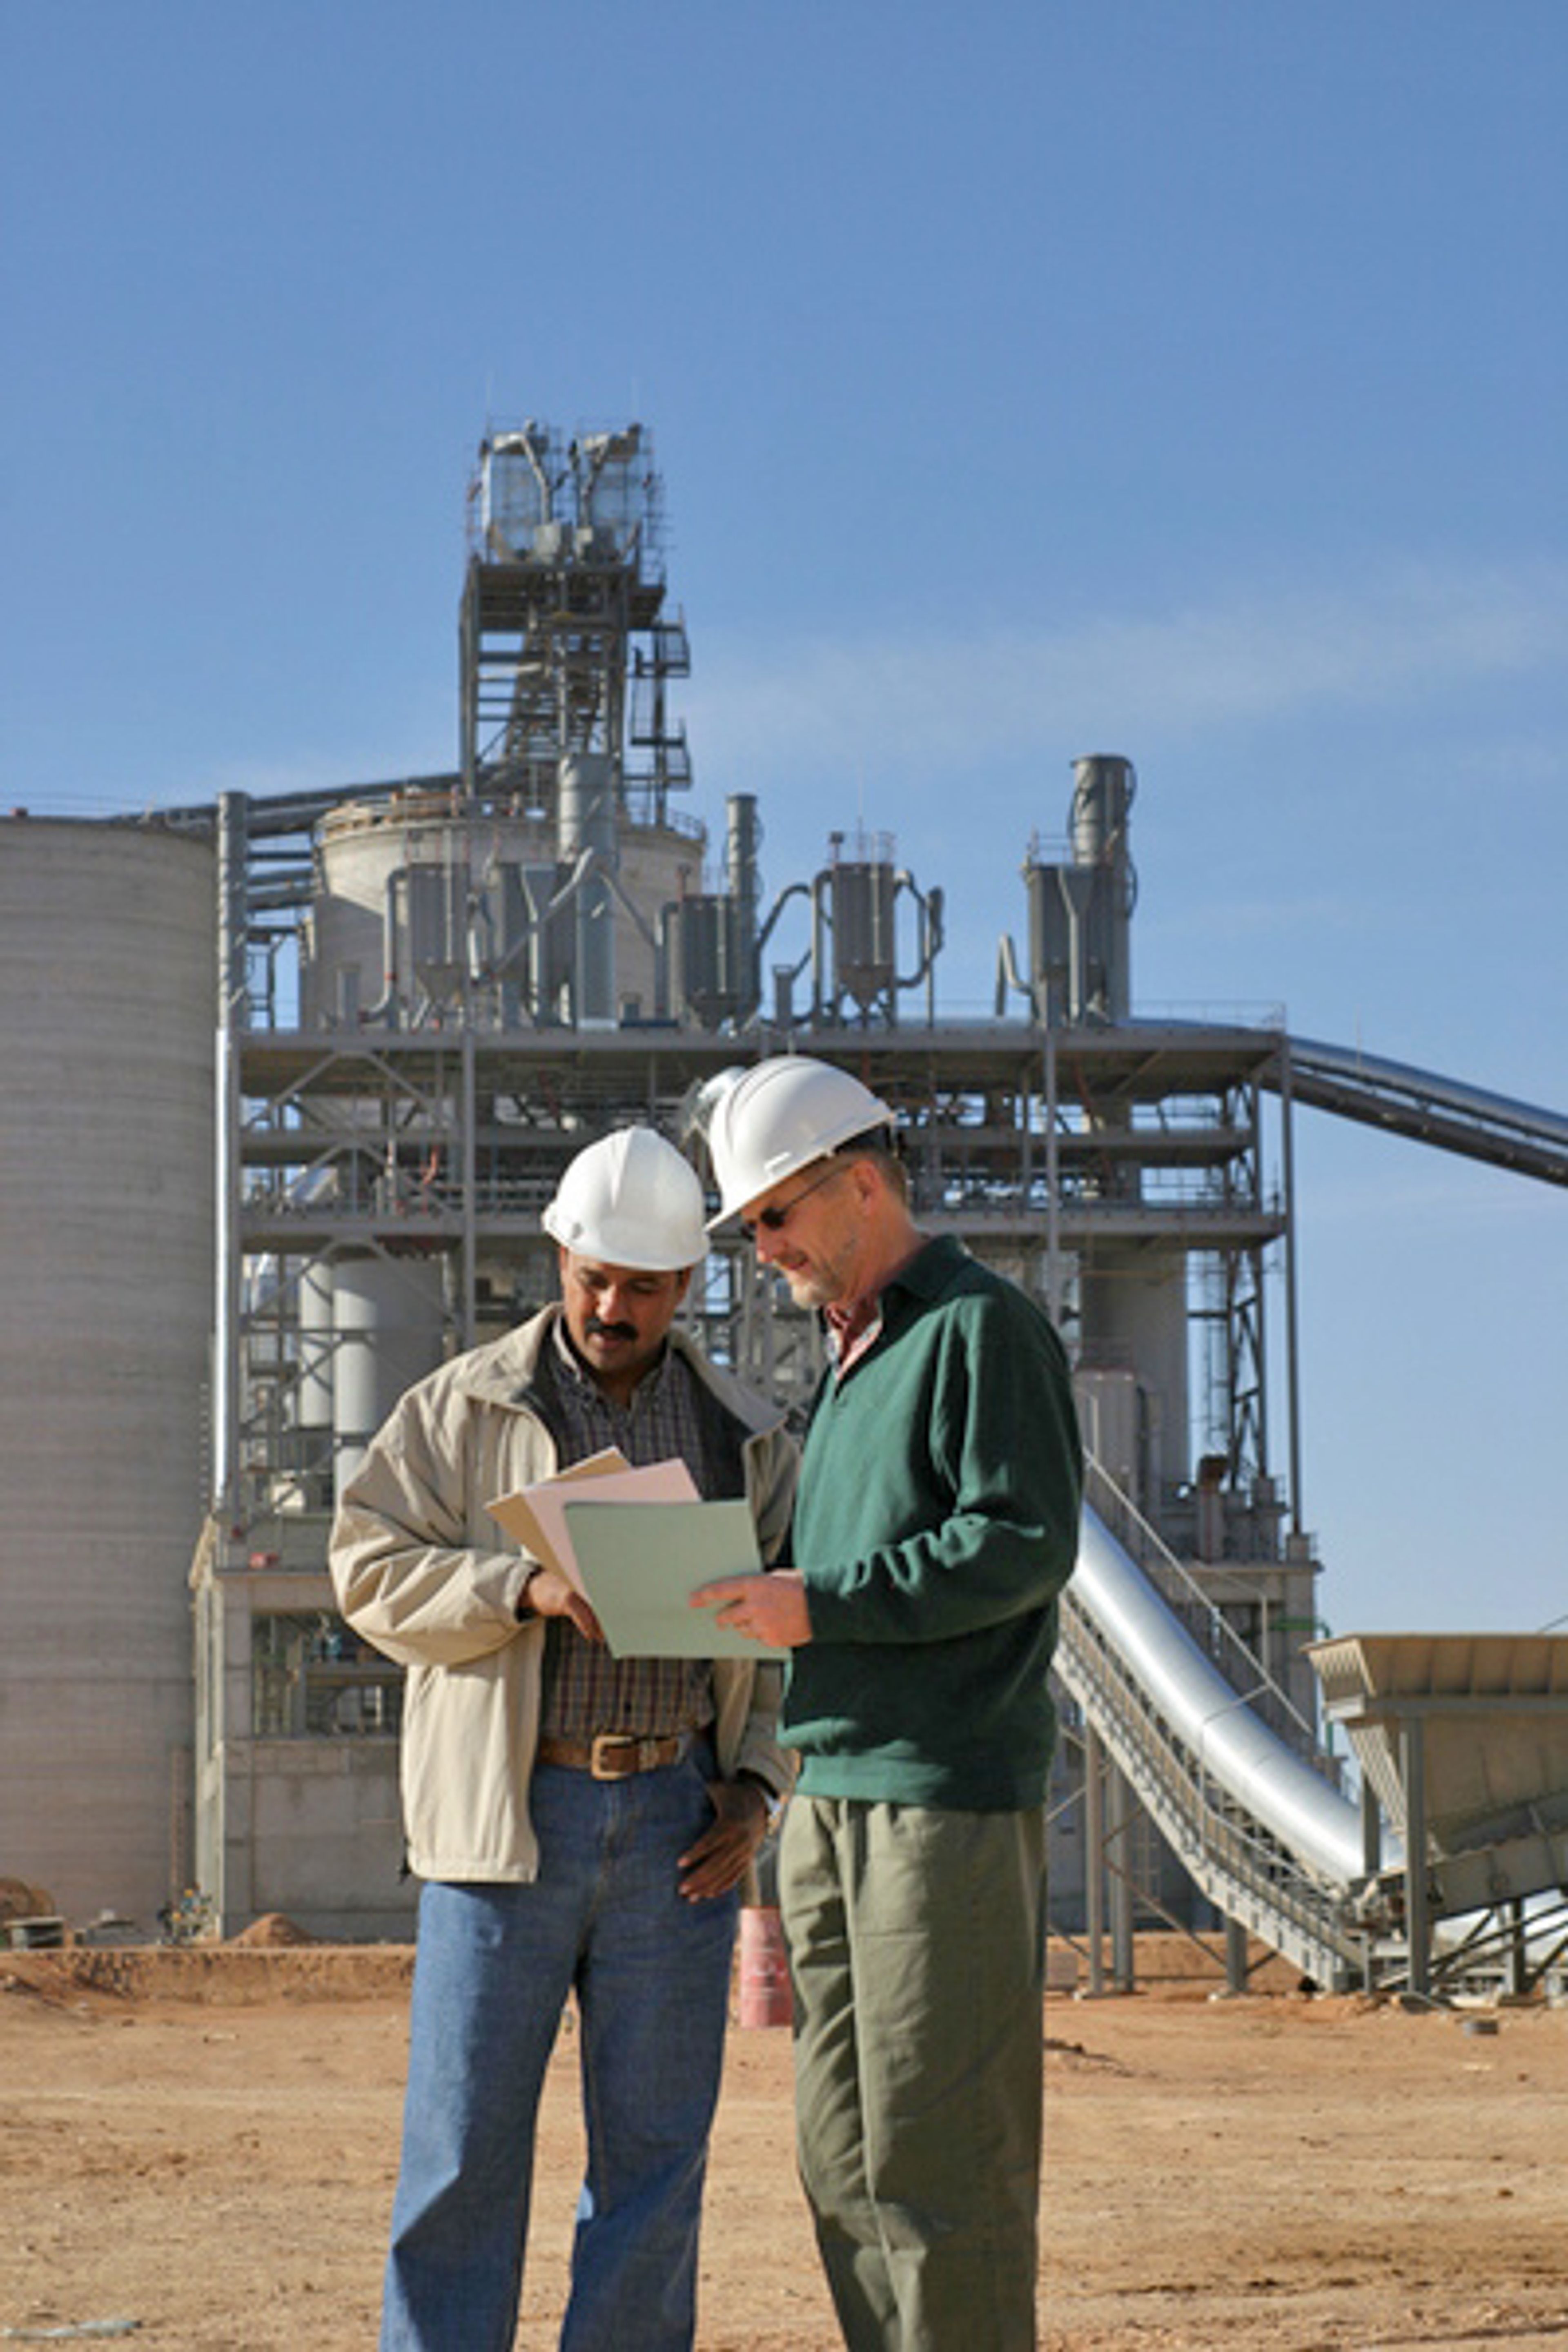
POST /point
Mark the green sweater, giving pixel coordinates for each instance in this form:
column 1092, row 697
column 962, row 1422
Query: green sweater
column 937, row 1522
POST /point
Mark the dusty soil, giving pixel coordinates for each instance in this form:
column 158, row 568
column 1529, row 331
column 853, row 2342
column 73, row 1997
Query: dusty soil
column 204, row 2142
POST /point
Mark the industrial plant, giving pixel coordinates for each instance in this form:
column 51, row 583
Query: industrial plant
column 221, row 1267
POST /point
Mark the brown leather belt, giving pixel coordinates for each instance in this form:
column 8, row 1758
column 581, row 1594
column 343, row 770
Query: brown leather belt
column 616, row 1755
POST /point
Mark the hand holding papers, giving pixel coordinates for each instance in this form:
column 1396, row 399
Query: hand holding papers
column 640, row 1563
column 532, row 1514
column 636, row 1543
column 537, row 1517
column 771, row 1608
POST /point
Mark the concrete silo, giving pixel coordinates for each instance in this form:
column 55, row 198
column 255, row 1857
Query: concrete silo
column 106, row 1306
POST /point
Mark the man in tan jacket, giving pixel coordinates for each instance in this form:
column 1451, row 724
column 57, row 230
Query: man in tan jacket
column 582, row 1823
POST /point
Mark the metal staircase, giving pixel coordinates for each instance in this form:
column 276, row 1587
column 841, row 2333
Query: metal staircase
column 1241, row 1864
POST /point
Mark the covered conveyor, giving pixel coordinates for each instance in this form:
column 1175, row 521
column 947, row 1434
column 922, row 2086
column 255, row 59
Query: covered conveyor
column 1260, row 1829
column 1463, row 1738
column 1467, row 1119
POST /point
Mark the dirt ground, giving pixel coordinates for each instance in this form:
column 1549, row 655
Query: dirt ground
column 203, row 2143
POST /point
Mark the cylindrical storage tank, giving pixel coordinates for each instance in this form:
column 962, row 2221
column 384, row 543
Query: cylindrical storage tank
column 744, row 834
column 1059, row 899
column 509, row 941
column 304, row 1480
column 1103, row 788
column 515, row 470
column 587, row 821
column 388, row 1323
column 713, row 955
column 1134, row 1313
column 107, row 1189
column 864, row 953
column 313, row 1393
column 363, row 850
column 429, row 919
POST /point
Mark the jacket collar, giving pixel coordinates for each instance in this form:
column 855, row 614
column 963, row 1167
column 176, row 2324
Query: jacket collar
column 506, row 1372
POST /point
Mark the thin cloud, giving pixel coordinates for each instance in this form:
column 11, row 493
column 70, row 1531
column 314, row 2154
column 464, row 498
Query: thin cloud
column 920, row 705
column 1403, row 1189
column 1269, row 915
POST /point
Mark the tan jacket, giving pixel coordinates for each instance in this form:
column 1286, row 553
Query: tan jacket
column 423, row 1572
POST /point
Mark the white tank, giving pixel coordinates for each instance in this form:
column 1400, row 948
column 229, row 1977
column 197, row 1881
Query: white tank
column 368, row 854
column 388, row 1320
column 1134, row 1312
column 106, row 1307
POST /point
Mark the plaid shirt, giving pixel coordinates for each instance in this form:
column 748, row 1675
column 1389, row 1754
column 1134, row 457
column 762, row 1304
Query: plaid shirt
column 585, row 1690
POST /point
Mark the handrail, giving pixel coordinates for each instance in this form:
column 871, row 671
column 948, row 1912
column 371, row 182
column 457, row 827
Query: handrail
column 1195, row 1605
column 1228, row 1844
column 1239, row 1865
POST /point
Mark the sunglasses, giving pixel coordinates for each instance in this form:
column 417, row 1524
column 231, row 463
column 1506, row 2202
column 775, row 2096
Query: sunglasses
column 774, row 1220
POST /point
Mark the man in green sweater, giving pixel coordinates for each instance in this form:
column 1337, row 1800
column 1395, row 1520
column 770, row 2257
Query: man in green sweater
column 936, row 1524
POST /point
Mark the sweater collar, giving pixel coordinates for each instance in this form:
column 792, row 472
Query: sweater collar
column 929, row 1272
column 857, row 1327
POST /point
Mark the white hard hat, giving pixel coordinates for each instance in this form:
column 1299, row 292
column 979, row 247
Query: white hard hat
column 630, row 1199
column 779, row 1117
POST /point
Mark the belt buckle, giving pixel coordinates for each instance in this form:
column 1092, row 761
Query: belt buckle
column 599, row 1764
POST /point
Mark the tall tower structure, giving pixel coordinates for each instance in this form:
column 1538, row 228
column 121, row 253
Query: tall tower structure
column 496, row 965
column 562, row 611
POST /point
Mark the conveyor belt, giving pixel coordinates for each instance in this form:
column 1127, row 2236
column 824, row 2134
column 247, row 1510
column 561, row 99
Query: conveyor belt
column 1427, row 1108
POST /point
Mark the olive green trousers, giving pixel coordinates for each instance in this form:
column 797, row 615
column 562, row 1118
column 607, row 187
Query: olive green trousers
column 917, row 1959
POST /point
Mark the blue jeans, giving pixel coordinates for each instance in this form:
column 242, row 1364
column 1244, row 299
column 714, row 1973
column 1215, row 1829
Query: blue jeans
column 494, row 1965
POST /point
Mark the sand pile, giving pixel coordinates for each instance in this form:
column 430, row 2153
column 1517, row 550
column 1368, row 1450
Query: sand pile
column 20, row 1901
column 271, row 1932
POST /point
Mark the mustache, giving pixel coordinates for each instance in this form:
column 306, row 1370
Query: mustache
column 596, row 1329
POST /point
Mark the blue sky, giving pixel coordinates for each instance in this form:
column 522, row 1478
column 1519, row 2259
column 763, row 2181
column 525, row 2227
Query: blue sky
column 1183, row 380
